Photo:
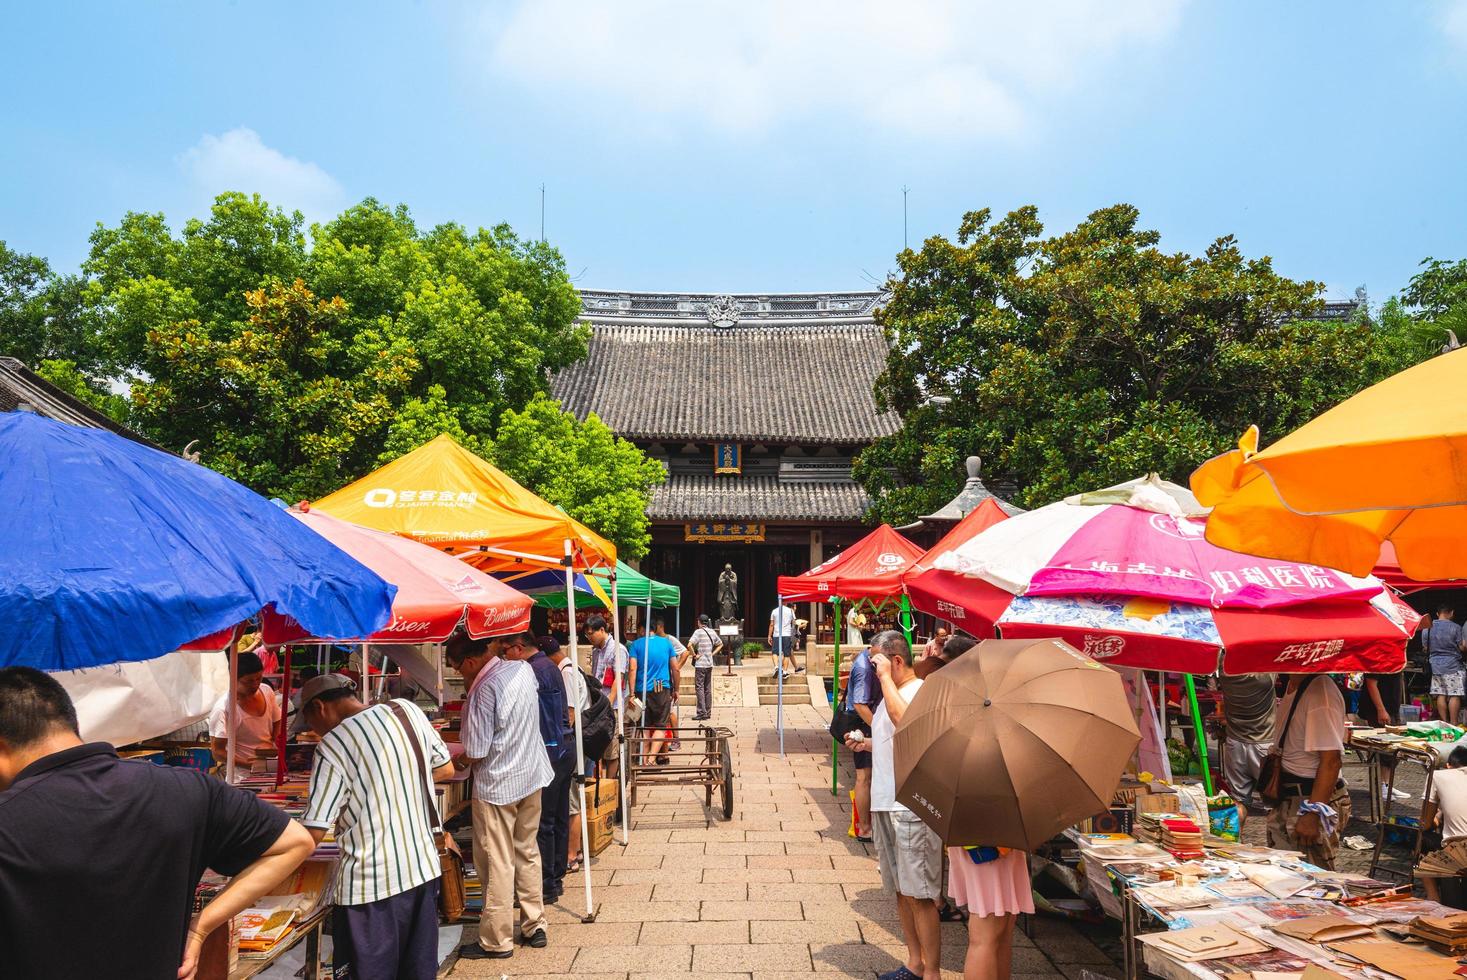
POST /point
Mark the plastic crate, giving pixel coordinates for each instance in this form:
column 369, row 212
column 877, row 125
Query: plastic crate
column 196, row 758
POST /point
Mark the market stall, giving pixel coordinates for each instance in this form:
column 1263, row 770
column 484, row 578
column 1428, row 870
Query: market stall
column 869, row 572
column 443, row 495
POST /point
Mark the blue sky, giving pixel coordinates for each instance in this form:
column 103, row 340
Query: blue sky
column 757, row 145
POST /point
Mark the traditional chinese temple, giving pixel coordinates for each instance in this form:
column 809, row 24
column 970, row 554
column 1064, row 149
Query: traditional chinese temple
column 756, row 405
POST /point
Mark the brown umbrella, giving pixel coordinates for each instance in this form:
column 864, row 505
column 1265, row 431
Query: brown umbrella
column 1012, row 742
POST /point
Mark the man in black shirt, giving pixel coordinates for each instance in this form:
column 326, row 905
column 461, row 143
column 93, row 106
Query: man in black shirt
column 121, row 845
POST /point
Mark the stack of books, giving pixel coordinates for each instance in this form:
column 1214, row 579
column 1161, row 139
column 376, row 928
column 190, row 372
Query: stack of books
column 1445, row 934
column 1182, row 838
column 265, row 925
column 1148, row 826
column 1448, row 862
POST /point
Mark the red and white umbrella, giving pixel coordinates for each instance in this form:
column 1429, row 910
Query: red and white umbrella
column 1126, row 576
column 436, row 593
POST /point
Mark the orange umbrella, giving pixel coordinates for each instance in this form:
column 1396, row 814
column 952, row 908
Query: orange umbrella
column 1013, row 742
column 442, row 494
column 1388, row 464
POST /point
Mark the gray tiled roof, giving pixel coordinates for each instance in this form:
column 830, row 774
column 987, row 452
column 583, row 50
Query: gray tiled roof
column 19, row 385
column 755, row 498
column 807, row 383
column 972, row 494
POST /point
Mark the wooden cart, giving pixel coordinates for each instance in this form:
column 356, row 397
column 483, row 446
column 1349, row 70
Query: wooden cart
column 704, row 759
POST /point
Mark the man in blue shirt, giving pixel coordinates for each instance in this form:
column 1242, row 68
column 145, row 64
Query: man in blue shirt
column 863, row 696
column 1448, row 678
column 554, row 831
column 652, row 658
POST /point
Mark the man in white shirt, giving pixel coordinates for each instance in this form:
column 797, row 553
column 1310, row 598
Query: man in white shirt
column 503, row 744
column 1447, row 799
column 782, row 640
column 909, row 852
column 703, row 646
column 369, row 782
column 1315, row 806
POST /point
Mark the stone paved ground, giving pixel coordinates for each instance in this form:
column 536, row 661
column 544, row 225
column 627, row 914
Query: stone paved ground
column 778, row 892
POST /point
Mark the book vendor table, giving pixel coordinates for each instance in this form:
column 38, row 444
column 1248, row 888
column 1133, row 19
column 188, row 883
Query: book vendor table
column 1233, row 914
column 307, row 931
column 1380, row 746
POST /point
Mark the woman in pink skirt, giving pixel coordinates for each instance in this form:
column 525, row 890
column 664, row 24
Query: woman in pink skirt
column 992, row 883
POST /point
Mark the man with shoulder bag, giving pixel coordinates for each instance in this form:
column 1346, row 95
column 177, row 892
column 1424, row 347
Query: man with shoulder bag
column 703, row 646
column 1300, row 778
column 372, row 782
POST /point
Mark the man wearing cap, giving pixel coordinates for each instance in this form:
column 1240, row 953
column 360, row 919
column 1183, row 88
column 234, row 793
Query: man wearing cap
column 503, row 744
column 371, row 782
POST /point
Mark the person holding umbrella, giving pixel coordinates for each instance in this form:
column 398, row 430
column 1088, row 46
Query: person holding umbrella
column 910, row 852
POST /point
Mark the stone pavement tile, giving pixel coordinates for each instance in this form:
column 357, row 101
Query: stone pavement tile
column 618, row 862
column 816, row 825
column 686, row 891
column 1068, row 946
column 746, row 875
column 641, row 848
column 807, row 861
column 735, row 911
column 815, row 933
column 684, row 976
column 833, row 876
column 551, row 959
column 555, row 914
column 607, row 893
column 721, row 958
column 756, row 821
column 793, row 892
column 1079, row 971
column 841, row 845
column 889, row 933
column 853, row 892
column 1025, row 961
column 747, row 847
column 713, row 859
column 596, row 933
column 783, row 836
column 497, row 969
column 600, row 876
column 653, row 876
column 644, row 912
column 692, row 933
column 642, row 959
column 865, row 910
column 707, row 836
column 850, row 861
column 856, row 959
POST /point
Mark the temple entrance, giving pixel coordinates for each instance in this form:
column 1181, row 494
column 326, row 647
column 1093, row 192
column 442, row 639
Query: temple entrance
column 696, row 567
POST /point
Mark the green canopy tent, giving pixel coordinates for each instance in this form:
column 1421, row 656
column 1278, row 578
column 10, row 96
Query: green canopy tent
column 632, row 589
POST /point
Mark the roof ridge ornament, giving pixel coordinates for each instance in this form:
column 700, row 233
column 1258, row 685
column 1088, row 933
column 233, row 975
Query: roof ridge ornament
column 723, row 311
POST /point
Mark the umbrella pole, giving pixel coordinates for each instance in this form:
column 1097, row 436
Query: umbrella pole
column 621, row 719
column 835, row 703
column 1197, row 728
column 232, row 713
column 904, row 617
column 580, row 774
column 779, row 673
column 284, row 723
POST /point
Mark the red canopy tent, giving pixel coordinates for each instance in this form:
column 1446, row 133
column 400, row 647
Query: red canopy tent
column 934, row 583
column 869, row 569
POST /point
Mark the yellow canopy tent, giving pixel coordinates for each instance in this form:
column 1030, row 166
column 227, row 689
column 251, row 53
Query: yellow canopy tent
column 442, row 494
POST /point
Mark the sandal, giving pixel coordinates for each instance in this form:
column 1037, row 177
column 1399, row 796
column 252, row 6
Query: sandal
column 951, row 913
column 573, row 866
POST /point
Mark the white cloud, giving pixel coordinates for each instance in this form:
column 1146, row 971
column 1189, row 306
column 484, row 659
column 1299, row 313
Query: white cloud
column 1454, row 22
column 748, row 66
column 239, row 160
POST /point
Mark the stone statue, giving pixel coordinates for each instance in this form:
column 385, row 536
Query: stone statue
column 728, row 593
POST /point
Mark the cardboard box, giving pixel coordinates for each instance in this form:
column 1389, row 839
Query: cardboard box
column 600, row 830
column 1158, row 803
column 602, row 796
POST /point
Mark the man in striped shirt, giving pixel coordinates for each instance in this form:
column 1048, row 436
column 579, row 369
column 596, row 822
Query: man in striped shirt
column 502, row 741
column 368, row 783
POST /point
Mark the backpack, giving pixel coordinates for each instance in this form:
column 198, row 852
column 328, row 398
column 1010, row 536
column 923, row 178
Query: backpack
column 598, row 721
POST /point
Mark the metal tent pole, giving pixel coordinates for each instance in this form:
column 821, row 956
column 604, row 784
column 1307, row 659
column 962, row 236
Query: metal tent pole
column 904, row 617
column 621, row 714
column 1197, row 728
column 232, row 711
column 284, row 734
column 580, row 774
column 779, row 672
column 835, row 704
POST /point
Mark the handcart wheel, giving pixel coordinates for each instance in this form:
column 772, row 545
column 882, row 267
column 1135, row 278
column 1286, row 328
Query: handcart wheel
column 728, row 787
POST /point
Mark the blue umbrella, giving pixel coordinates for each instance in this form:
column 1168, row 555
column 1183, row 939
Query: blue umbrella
column 112, row 551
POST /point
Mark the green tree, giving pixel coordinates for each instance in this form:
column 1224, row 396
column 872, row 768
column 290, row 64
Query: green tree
column 1093, row 356
column 601, row 480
